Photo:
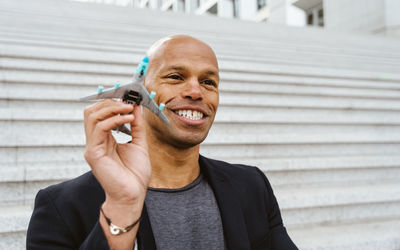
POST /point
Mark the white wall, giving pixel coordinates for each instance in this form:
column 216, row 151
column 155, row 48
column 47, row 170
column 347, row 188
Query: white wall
column 247, row 9
column 355, row 15
column 278, row 11
column 392, row 17
column 295, row 16
column 283, row 12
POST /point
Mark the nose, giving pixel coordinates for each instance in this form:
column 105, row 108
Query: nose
column 193, row 89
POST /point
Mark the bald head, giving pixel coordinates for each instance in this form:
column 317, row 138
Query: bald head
column 157, row 47
column 161, row 48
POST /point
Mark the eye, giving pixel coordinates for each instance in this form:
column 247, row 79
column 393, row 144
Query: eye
column 210, row 82
column 175, row 77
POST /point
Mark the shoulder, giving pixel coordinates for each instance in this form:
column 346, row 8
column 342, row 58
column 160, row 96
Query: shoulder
column 84, row 189
column 240, row 174
column 235, row 171
column 66, row 211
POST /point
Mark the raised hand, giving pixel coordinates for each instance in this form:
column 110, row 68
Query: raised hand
column 123, row 170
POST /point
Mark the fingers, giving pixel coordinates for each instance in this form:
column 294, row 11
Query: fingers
column 103, row 116
column 103, row 128
column 103, row 110
column 138, row 130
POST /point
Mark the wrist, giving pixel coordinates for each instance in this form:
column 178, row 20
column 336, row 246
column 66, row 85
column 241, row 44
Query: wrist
column 123, row 206
column 115, row 229
column 125, row 201
column 120, row 215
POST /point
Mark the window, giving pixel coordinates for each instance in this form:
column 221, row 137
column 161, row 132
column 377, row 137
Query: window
column 213, row 9
column 310, row 19
column 261, row 4
column 321, row 17
column 235, row 8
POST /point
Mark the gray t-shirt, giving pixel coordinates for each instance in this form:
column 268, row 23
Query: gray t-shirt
column 185, row 218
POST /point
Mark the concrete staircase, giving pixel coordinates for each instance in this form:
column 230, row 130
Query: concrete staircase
column 318, row 112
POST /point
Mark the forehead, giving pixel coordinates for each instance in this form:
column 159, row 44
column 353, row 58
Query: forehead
column 184, row 52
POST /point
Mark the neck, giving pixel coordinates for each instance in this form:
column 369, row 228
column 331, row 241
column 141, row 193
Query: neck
column 172, row 167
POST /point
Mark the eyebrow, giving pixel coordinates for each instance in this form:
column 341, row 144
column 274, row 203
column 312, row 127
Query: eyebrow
column 176, row 68
column 181, row 68
column 212, row 73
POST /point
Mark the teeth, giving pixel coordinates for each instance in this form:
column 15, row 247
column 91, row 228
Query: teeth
column 190, row 114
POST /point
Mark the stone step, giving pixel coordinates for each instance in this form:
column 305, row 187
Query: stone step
column 370, row 235
column 66, row 87
column 60, row 153
column 384, row 100
column 21, row 154
column 367, row 236
column 235, row 114
column 23, row 193
column 290, row 85
column 125, row 57
column 293, row 198
column 339, row 204
column 40, row 171
column 230, row 55
column 13, row 240
column 19, row 184
column 326, row 171
column 276, row 168
column 39, row 95
column 173, row 20
column 309, row 58
column 299, row 150
column 14, row 218
column 35, row 132
column 140, row 38
column 309, row 101
column 44, row 135
column 339, row 162
column 117, row 68
column 20, row 70
column 298, row 70
column 281, row 171
column 301, row 207
column 327, row 177
column 301, row 80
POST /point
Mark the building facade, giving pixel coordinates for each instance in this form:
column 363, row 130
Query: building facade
column 367, row 16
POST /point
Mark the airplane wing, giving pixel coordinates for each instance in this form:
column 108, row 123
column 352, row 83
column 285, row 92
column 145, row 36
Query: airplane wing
column 133, row 93
column 148, row 102
column 116, row 92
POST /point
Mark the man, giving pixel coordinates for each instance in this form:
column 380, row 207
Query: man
column 157, row 190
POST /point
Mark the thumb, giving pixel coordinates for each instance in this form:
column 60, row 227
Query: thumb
column 138, row 129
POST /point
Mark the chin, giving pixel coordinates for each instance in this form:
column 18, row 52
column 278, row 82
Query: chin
column 185, row 142
column 182, row 138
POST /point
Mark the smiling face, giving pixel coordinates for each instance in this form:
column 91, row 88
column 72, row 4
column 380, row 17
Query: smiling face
column 184, row 73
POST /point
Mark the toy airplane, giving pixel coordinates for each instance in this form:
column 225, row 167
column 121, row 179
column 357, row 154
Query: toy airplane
column 132, row 93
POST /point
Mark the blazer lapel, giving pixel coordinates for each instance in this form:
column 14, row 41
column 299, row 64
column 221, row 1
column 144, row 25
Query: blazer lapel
column 231, row 213
column 145, row 233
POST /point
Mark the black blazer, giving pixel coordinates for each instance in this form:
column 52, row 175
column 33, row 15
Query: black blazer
column 66, row 215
